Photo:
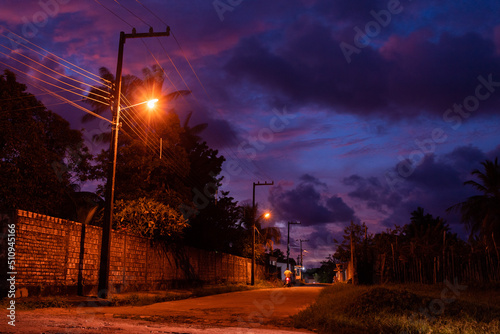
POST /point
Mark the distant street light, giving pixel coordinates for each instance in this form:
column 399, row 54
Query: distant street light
column 301, row 241
column 252, row 274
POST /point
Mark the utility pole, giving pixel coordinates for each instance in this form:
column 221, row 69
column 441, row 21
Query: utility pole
column 288, row 245
column 252, row 275
column 103, row 288
column 301, row 258
column 353, row 267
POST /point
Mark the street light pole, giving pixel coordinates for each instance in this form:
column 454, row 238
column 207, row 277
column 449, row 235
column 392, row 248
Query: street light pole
column 110, row 184
column 103, row 287
column 252, row 274
column 288, row 245
column 301, row 241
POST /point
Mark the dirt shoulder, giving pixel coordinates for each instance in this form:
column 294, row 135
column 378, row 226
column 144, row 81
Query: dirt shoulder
column 247, row 310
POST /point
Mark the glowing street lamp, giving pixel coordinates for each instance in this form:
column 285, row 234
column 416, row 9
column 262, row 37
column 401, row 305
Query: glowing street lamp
column 151, row 103
column 252, row 274
column 103, row 286
column 265, row 215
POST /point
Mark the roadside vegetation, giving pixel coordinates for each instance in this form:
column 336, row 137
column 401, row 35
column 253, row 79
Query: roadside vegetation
column 138, row 298
column 145, row 298
column 403, row 309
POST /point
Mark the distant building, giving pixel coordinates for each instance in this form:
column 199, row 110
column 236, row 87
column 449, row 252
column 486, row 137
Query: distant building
column 344, row 272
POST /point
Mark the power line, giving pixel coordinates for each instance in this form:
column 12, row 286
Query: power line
column 52, row 70
column 68, row 90
column 112, row 12
column 28, row 95
column 151, row 12
column 54, row 55
column 246, row 168
column 45, row 105
column 128, row 10
column 165, row 73
column 143, row 132
column 67, row 101
column 231, row 152
column 243, row 163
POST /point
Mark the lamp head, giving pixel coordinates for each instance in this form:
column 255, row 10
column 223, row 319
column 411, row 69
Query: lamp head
column 151, row 103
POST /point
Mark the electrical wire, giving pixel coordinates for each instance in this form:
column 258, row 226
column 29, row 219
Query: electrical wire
column 28, row 95
column 52, row 70
column 179, row 45
column 68, row 90
column 176, row 69
column 55, row 94
column 45, row 105
column 244, row 163
column 133, row 125
column 128, row 10
column 165, row 73
column 60, row 97
column 171, row 161
column 100, row 80
column 143, row 132
column 151, row 12
column 112, row 12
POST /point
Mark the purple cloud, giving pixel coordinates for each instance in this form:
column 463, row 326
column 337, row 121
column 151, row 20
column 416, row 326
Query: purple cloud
column 307, row 205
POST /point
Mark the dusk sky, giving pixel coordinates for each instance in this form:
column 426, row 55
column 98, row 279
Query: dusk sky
column 357, row 110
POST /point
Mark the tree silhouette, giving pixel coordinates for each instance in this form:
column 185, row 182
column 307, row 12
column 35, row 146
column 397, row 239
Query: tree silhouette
column 266, row 237
column 481, row 213
column 40, row 156
column 218, row 227
column 133, row 91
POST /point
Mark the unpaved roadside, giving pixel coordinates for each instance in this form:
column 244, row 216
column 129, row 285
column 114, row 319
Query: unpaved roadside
column 254, row 311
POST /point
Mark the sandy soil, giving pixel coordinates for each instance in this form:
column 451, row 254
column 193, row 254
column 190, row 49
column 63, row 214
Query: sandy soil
column 255, row 311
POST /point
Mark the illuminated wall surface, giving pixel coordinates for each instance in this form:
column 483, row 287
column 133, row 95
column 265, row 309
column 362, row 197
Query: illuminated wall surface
column 50, row 260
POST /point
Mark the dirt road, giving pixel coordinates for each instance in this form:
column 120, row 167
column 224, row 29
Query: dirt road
column 254, row 311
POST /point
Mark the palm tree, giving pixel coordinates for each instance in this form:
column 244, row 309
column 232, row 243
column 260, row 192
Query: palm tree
column 266, row 236
column 191, row 135
column 133, row 90
column 481, row 213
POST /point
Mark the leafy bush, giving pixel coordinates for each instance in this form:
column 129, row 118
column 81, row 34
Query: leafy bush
column 149, row 218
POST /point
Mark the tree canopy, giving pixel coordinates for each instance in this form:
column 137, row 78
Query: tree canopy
column 481, row 213
column 41, row 157
column 186, row 167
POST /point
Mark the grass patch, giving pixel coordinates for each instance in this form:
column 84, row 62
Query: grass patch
column 136, row 298
column 142, row 299
column 402, row 309
column 147, row 298
column 35, row 303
